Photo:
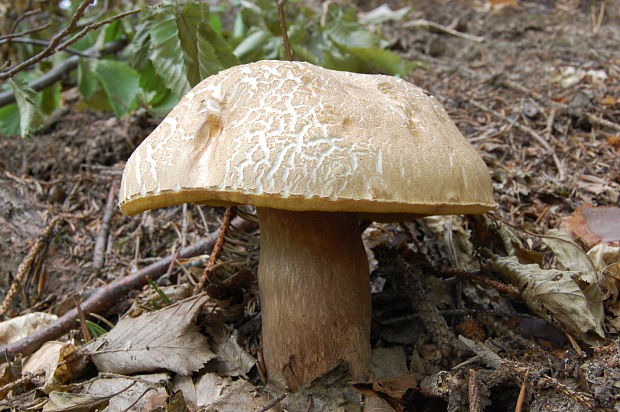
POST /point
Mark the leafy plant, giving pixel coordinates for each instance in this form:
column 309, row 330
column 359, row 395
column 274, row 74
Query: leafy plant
column 177, row 43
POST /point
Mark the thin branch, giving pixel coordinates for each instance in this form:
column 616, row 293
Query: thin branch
column 39, row 42
column 216, row 250
column 105, row 296
column 100, row 242
column 7, row 37
column 50, row 49
column 473, row 392
column 525, row 129
column 287, row 46
column 24, row 16
column 436, row 26
column 59, row 70
column 478, row 278
column 271, row 403
column 95, row 26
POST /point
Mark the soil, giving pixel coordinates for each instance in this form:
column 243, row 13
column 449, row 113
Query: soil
column 539, row 98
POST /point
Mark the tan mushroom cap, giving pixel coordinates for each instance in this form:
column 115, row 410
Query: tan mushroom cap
column 291, row 135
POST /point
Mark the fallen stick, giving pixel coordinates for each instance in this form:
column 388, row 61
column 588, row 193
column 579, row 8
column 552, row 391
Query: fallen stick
column 105, row 296
column 102, row 236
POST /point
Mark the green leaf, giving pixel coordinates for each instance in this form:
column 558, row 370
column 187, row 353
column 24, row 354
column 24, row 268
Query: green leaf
column 252, row 45
column 384, row 13
column 9, row 119
column 385, row 60
column 214, row 53
column 152, row 86
column 50, row 98
column 239, row 27
column 87, row 82
column 137, row 50
column 166, row 52
column 187, row 21
column 30, row 115
column 120, row 83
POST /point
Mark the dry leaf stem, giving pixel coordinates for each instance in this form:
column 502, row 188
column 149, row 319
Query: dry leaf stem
column 217, row 248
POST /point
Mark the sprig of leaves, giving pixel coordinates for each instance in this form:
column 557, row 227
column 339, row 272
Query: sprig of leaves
column 177, row 43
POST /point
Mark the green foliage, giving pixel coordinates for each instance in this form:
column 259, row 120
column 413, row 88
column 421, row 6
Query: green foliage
column 175, row 44
column 31, row 116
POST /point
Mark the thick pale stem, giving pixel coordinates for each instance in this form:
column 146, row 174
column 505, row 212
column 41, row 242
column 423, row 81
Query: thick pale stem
column 315, row 295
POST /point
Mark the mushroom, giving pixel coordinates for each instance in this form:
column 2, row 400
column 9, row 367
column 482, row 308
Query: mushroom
column 314, row 150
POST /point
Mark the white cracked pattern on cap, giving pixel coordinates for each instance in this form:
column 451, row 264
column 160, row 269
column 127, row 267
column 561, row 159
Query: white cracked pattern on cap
column 295, row 136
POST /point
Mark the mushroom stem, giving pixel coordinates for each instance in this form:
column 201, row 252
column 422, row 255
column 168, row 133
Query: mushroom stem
column 315, row 295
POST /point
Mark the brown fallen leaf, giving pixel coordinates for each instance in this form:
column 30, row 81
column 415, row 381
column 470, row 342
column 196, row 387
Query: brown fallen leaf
column 392, row 390
column 569, row 298
column 163, row 339
column 140, row 393
column 56, row 360
column 594, row 225
column 19, row 327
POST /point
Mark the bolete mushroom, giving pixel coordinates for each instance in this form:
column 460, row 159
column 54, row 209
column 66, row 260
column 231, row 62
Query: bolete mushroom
column 313, row 149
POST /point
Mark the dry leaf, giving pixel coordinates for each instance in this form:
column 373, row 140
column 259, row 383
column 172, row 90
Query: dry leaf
column 219, row 394
column 572, row 299
column 595, row 224
column 609, row 100
column 53, row 359
column 164, row 339
column 568, row 253
column 19, row 327
column 606, row 260
column 329, row 392
column 74, row 402
column 391, row 390
column 388, row 362
column 185, row 384
column 231, row 359
column 124, row 393
column 614, row 141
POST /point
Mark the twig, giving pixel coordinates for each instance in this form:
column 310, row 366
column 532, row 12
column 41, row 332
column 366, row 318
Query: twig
column 519, row 126
column 83, row 326
column 583, row 398
column 100, row 242
column 287, row 45
column 524, row 129
column 473, row 393
column 59, row 70
column 603, row 122
column 24, row 267
column 216, row 250
column 23, row 17
column 436, row 26
column 11, row 37
column 95, row 26
column 521, row 398
column 38, row 42
column 575, row 345
column 25, row 378
column 271, row 403
column 105, row 296
column 50, row 49
column 592, row 118
column 476, row 277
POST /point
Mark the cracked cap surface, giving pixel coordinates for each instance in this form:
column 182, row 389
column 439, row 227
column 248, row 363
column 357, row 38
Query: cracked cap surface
column 291, row 135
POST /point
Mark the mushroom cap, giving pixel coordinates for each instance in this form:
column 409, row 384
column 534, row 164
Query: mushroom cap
column 295, row 136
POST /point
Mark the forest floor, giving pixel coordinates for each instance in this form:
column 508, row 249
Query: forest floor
column 533, row 85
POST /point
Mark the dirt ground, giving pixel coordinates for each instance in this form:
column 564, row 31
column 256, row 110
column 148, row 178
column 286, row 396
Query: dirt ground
column 533, row 85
